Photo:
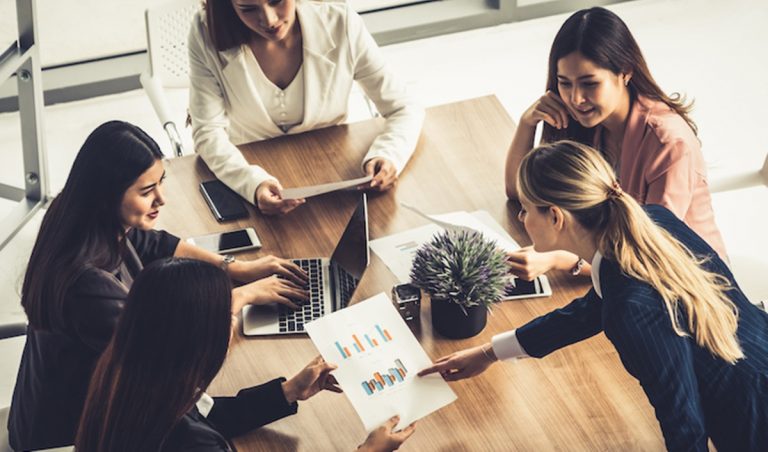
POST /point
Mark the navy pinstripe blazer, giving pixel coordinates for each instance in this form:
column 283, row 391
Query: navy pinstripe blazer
column 695, row 395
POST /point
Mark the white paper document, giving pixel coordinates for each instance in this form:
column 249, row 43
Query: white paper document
column 465, row 221
column 378, row 358
column 398, row 250
column 314, row 190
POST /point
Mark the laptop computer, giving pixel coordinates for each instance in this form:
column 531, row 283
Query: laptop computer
column 332, row 282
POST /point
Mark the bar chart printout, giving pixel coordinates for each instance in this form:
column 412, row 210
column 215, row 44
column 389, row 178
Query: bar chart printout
column 381, row 380
column 378, row 358
column 382, row 336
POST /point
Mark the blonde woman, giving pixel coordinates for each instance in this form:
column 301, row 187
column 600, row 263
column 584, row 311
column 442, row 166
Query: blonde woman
column 661, row 294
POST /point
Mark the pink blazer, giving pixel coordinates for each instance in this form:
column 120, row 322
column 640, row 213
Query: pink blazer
column 661, row 163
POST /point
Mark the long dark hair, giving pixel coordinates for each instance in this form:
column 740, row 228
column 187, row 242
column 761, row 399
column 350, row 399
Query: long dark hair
column 169, row 344
column 225, row 28
column 605, row 40
column 83, row 226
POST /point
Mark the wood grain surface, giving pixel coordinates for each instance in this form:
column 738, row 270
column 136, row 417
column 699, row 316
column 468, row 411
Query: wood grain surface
column 579, row 398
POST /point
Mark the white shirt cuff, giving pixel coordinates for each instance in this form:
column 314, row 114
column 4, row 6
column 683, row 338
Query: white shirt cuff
column 204, row 404
column 506, row 346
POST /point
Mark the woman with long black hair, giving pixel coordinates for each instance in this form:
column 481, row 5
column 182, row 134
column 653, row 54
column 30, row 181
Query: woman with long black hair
column 600, row 92
column 147, row 391
column 94, row 240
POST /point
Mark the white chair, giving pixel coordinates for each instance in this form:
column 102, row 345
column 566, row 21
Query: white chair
column 741, row 180
column 749, row 270
column 167, row 29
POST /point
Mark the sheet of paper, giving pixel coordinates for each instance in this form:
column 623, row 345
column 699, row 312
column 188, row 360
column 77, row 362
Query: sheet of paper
column 378, row 358
column 314, row 190
column 397, row 250
column 465, row 221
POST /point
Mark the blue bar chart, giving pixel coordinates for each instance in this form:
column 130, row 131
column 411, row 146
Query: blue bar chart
column 381, row 380
column 371, row 341
column 377, row 358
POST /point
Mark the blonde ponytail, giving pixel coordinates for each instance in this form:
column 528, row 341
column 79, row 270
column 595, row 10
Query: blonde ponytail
column 577, row 179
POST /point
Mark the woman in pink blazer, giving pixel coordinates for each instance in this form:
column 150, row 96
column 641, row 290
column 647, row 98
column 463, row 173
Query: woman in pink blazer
column 601, row 93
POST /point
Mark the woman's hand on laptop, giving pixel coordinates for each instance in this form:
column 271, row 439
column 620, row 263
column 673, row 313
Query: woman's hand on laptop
column 315, row 377
column 246, row 271
column 266, row 291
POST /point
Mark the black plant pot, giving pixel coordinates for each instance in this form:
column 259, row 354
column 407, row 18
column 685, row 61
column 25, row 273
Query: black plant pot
column 449, row 319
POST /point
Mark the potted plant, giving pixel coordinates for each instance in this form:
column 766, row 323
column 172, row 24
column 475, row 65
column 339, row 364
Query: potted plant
column 463, row 273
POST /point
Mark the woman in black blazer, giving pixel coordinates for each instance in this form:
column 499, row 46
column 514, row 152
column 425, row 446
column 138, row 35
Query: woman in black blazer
column 147, row 391
column 661, row 294
column 94, row 240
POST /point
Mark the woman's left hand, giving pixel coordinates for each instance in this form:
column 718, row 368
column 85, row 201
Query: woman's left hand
column 247, row 271
column 311, row 380
column 384, row 174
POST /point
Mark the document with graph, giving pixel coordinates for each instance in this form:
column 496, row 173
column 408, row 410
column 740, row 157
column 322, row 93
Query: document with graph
column 378, row 358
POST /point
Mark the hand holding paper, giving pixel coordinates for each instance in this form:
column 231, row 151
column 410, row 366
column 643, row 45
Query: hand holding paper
column 314, row 190
column 378, row 357
column 315, row 377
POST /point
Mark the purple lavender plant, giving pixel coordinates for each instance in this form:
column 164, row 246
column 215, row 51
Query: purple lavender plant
column 461, row 267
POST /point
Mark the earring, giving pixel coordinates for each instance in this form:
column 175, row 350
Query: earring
column 626, row 82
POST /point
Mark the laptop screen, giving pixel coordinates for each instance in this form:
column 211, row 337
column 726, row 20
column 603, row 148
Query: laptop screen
column 351, row 254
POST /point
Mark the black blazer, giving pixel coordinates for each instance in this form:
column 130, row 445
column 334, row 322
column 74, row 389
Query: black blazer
column 695, row 395
column 230, row 417
column 56, row 366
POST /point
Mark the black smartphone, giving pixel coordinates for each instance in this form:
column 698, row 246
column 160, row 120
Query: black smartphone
column 224, row 203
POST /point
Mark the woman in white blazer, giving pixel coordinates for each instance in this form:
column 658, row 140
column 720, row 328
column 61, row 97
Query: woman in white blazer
column 265, row 68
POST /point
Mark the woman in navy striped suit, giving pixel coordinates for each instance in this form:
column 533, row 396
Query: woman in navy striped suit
column 663, row 297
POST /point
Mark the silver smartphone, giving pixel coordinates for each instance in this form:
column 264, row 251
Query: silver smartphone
column 228, row 242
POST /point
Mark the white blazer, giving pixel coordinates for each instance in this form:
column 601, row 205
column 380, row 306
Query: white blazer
column 226, row 109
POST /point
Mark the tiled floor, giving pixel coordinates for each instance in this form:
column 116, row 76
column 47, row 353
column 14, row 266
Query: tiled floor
column 710, row 50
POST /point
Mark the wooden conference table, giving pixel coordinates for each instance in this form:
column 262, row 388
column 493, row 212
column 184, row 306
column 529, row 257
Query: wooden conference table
column 579, row 398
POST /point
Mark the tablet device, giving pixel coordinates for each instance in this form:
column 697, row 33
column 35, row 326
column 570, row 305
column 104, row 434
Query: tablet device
column 519, row 288
column 224, row 203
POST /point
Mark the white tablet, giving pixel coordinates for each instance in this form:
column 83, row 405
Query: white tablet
column 518, row 288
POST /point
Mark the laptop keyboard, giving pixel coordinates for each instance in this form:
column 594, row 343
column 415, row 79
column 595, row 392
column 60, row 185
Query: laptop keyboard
column 293, row 321
column 347, row 284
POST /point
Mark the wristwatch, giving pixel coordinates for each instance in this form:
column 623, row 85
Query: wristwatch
column 577, row 268
column 228, row 259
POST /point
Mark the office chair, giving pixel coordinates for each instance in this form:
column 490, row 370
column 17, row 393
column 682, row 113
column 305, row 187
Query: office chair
column 167, row 29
